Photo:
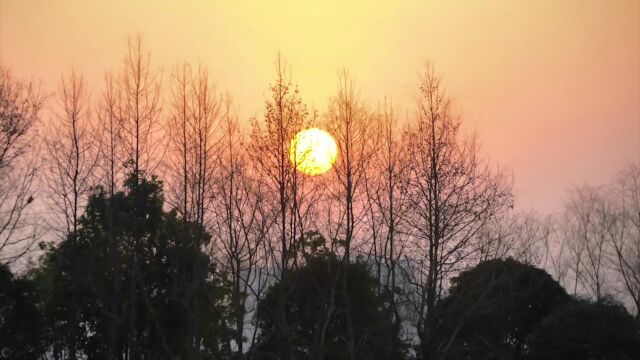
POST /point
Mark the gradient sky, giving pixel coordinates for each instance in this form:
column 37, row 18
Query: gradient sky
column 551, row 87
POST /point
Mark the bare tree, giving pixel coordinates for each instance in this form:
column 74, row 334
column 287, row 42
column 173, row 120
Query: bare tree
column 180, row 135
column 589, row 218
column 453, row 195
column 195, row 113
column 206, row 115
column 142, row 150
column 72, row 153
column 196, row 110
column 20, row 106
column 523, row 236
column 141, row 137
column 110, row 114
column 556, row 261
column 626, row 246
column 387, row 206
column 354, row 128
column 285, row 115
column 240, row 227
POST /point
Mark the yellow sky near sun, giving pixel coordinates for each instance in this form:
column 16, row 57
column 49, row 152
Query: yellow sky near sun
column 552, row 87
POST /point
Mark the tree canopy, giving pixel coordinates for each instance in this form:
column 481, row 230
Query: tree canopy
column 22, row 333
column 317, row 314
column 492, row 308
column 587, row 330
column 134, row 280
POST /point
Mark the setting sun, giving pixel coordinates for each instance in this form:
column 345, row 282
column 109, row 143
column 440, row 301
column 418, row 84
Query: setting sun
column 313, row 151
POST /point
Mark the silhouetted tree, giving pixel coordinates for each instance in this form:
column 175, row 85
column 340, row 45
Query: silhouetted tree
column 523, row 236
column 586, row 330
column 492, row 308
column 313, row 335
column 142, row 140
column 20, row 105
column 589, row 220
column 110, row 113
column 195, row 114
column 76, row 281
column 354, row 128
column 22, row 332
column 180, row 141
column 386, row 203
column 72, row 153
column 142, row 145
column 453, row 194
column 240, row 227
column 625, row 241
column 285, row 115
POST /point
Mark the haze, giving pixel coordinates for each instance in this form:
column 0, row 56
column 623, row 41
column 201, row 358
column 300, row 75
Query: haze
column 553, row 89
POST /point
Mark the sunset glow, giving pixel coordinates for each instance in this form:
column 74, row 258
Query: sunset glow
column 286, row 179
column 522, row 72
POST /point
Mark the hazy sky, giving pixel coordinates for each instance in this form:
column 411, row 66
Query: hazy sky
column 551, row 87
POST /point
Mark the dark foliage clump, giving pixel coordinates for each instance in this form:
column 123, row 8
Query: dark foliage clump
column 316, row 314
column 492, row 308
column 587, row 330
column 21, row 324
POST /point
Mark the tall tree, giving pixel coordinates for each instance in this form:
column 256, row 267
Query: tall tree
column 110, row 114
column 72, row 152
column 285, row 115
column 353, row 127
column 625, row 241
column 20, row 105
column 180, row 131
column 206, row 110
column 196, row 111
column 141, row 133
column 143, row 149
column 589, row 220
column 386, row 202
column 453, row 194
column 241, row 227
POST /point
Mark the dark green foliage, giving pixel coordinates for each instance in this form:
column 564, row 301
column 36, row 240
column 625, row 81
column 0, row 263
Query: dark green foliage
column 492, row 308
column 21, row 325
column 584, row 330
column 314, row 295
column 132, row 280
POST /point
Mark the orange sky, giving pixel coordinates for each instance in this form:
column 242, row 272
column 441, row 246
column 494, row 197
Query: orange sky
column 551, row 87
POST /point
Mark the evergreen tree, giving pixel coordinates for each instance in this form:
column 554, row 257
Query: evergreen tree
column 317, row 312
column 21, row 324
column 135, row 280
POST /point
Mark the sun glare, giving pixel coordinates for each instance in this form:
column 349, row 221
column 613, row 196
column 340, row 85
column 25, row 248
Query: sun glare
column 313, row 151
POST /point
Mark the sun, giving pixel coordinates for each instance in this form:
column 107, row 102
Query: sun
column 313, row 151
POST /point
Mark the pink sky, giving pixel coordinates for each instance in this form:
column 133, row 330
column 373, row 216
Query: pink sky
column 551, row 87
